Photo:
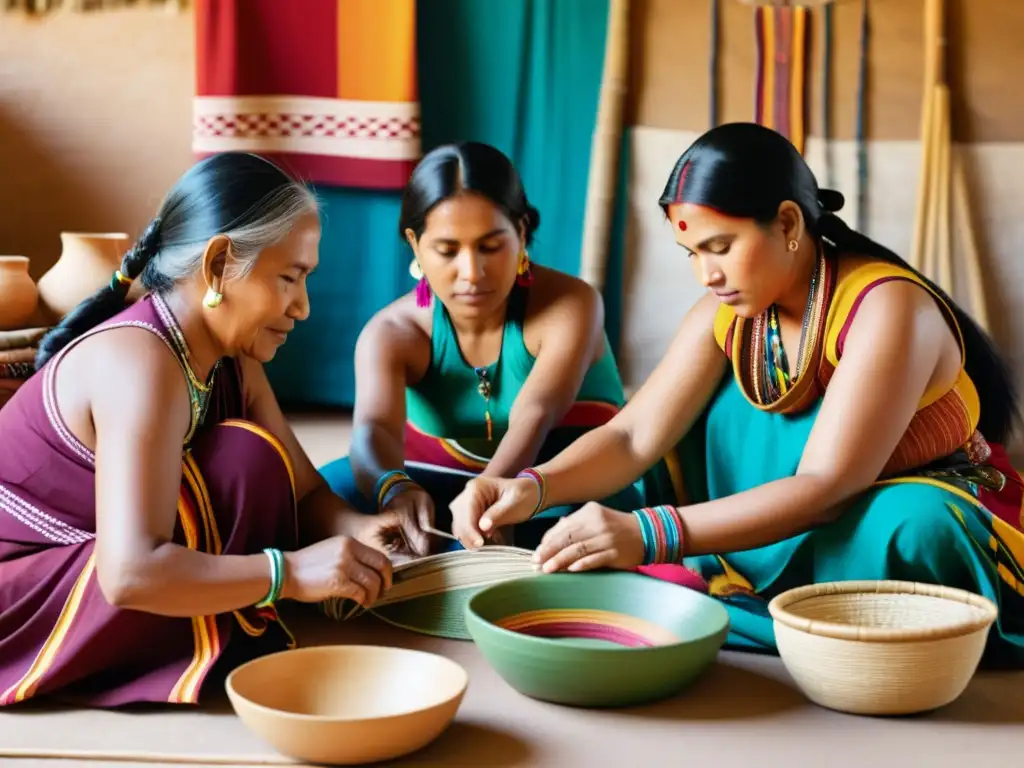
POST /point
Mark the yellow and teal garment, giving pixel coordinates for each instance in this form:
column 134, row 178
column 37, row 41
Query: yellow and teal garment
column 947, row 509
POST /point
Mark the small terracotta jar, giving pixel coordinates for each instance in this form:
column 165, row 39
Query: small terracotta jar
column 18, row 294
column 87, row 262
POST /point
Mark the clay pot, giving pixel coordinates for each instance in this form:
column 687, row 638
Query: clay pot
column 87, row 262
column 18, row 294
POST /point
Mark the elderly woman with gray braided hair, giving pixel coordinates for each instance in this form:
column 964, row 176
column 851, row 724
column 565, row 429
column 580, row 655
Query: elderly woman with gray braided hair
column 154, row 503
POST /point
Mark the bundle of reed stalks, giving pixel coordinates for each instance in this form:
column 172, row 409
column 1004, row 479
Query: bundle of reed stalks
column 943, row 178
column 604, row 150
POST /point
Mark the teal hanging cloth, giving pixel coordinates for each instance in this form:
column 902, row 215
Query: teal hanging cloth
column 780, row 94
column 523, row 75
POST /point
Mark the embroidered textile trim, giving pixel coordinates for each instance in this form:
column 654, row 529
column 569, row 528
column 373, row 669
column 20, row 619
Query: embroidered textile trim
column 55, row 530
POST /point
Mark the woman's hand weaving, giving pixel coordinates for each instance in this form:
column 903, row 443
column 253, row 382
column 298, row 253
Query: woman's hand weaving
column 488, row 503
column 594, row 537
column 336, row 567
column 411, row 513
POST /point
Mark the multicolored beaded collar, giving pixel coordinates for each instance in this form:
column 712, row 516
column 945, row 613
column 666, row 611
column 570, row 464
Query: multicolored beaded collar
column 762, row 365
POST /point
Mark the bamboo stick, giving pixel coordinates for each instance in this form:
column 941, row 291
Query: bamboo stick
column 933, row 32
column 942, row 238
column 604, row 151
column 938, row 189
column 928, row 265
column 962, row 210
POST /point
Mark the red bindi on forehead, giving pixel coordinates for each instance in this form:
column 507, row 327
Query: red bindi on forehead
column 698, row 215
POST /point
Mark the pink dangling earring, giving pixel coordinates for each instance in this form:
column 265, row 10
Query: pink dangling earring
column 524, row 275
column 423, row 293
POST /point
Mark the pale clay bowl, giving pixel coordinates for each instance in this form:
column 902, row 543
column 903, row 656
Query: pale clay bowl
column 347, row 704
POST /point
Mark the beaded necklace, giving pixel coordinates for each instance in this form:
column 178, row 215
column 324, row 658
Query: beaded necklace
column 484, row 388
column 769, row 364
column 198, row 391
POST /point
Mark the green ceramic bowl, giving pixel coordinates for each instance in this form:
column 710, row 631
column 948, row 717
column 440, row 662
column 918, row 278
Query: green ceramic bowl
column 602, row 639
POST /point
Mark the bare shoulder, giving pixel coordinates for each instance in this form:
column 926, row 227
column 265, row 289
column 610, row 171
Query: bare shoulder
column 125, row 375
column 553, row 286
column 898, row 305
column 564, row 298
column 399, row 333
column 564, row 308
column 703, row 315
column 900, row 329
column 128, row 354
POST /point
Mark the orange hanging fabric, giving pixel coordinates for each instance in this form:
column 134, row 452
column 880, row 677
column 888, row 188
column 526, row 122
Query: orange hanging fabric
column 327, row 88
column 780, row 100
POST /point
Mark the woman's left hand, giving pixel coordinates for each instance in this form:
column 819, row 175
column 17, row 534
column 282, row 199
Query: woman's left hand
column 592, row 537
column 393, row 532
column 413, row 510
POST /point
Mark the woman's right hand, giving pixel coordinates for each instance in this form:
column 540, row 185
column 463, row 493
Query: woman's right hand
column 336, row 567
column 489, row 503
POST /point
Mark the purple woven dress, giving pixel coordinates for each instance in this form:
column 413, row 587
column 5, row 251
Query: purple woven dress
column 58, row 635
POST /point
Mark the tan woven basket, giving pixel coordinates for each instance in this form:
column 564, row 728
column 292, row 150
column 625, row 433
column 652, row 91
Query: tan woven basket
column 881, row 647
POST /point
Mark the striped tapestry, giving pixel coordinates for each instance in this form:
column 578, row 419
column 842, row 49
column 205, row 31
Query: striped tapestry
column 326, row 88
column 780, row 96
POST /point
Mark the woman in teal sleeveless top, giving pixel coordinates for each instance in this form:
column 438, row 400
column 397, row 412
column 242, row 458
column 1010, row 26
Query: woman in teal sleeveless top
column 491, row 365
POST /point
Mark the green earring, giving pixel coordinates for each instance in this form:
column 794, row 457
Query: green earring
column 212, row 299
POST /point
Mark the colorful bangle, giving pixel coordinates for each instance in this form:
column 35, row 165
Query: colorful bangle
column 661, row 529
column 542, row 488
column 399, row 486
column 383, row 489
column 276, row 577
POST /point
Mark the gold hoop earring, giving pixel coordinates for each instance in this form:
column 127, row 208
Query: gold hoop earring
column 415, row 271
column 213, row 298
column 793, row 245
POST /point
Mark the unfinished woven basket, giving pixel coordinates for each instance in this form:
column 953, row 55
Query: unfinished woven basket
column 881, row 647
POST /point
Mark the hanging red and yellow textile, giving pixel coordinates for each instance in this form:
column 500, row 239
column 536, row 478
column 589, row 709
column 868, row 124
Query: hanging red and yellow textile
column 326, row 88
column 781, row 92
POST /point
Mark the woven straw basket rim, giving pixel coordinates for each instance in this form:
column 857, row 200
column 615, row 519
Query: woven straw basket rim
column 983, row 617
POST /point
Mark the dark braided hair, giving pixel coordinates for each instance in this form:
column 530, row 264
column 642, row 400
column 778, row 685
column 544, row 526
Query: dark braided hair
column 240, row 195
column 747, row 170
column 136, row 259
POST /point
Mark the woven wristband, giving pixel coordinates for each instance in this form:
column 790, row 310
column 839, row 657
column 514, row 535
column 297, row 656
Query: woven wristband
column 401, row 486
column 385, row 488
column 276, row 577
column 542, row 489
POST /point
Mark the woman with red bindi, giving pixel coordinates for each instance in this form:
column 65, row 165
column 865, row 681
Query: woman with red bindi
column 846, row 415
